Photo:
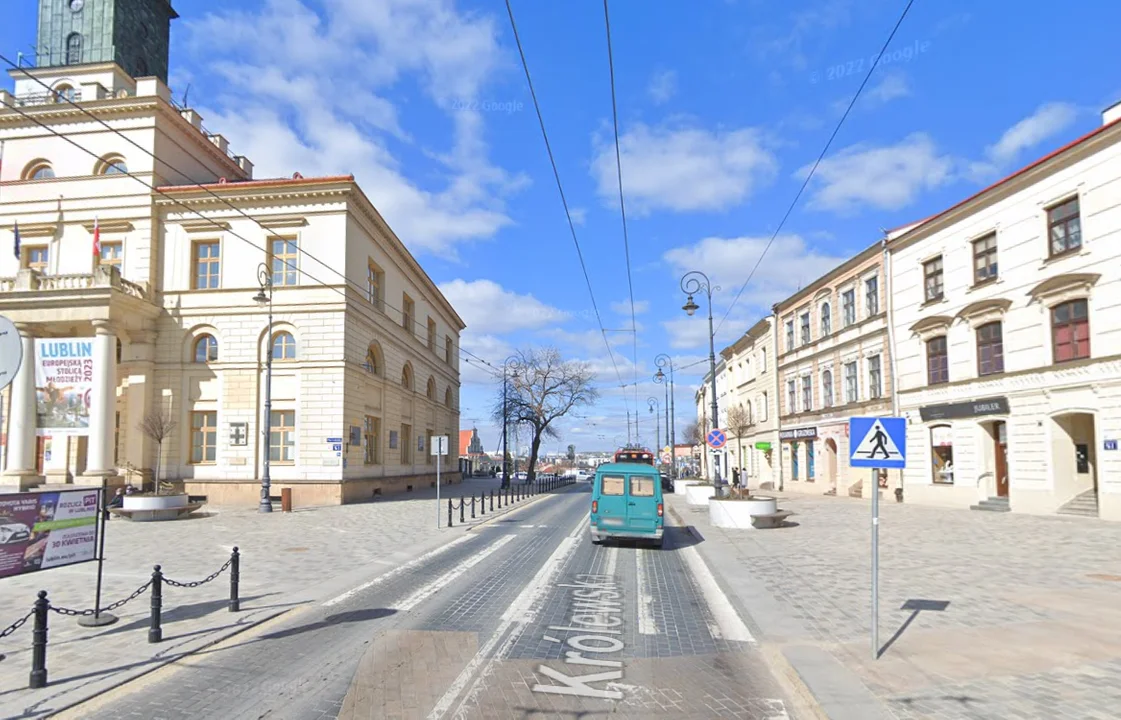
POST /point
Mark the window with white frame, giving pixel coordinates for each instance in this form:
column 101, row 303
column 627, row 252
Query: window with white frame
column 807, row 393
column 875, row 382
column 872, row 296
column 826, row 320
column 806, row 328
column 848, row 306
column 791, row 397
column 789, row 335
column 762, row 409
column 827, row 388
column 851, row 390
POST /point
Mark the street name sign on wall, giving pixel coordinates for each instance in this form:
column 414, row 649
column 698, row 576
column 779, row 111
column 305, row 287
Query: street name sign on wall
column 878, row 442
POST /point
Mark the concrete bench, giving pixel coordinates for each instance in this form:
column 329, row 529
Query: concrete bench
column 156, row 514
column 771, row 520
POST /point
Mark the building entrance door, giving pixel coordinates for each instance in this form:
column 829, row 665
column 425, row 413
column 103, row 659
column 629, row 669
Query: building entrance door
column 1000, row 453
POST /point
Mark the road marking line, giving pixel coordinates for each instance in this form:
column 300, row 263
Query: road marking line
column 400, row 569
column 612, row 561
column 646, row 624
column 729, row 624
column 517, row 615
column 444, row 580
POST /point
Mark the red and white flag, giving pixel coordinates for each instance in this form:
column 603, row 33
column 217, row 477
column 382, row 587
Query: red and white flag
column 96, row 241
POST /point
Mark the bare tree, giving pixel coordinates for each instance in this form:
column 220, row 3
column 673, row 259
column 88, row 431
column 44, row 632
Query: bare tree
column 693, row 434
column 740, row 423
column 543, row 387
column 158, row 426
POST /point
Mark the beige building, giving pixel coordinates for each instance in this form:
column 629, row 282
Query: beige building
column 1007, row 319
column 834, row 363
column 364, row 346
column 750, row 370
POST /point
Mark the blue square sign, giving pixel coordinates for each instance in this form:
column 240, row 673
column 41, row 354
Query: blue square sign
column 878, row 442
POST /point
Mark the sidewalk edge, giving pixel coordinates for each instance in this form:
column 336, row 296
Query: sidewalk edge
column 515, row 508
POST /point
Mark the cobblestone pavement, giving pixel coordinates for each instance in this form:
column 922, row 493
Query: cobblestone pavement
column 493, row 627
column 1031, row 626
column 287, row 559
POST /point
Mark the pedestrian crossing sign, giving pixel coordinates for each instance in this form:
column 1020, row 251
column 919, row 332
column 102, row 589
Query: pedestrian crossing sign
column 878, row 442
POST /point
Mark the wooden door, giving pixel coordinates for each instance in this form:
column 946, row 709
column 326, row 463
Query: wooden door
column 40, row 451
column 1000, row 451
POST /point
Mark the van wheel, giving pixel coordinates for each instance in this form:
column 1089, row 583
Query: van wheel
column 596, row 541
column 659, row 542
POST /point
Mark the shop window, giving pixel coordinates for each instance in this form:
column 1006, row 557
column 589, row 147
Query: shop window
column 793, row 461
column 942, row 454
column 810, row 474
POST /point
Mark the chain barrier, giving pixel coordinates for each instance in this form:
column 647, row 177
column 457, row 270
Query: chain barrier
column 108, row 608
column 16, row 625
column 196, row 583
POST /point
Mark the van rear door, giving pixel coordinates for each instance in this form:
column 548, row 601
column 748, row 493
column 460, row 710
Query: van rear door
column 612, row 501
column 642, row 502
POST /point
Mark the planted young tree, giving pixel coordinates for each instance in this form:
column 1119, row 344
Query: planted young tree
column 740, row 423
column 544, row 387
column 158, row 426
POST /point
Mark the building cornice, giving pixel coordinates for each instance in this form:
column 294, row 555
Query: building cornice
column 830, row 278
column 1039, row 379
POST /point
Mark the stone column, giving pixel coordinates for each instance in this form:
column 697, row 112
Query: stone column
column 103, row 402
column 20, row 470
column 136, row 447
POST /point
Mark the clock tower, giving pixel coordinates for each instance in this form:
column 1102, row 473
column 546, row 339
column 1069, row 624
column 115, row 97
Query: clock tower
column 135, row 34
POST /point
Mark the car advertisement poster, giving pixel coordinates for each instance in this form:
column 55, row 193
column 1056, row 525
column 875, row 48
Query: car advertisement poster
column 45, row 530
column 63, row 385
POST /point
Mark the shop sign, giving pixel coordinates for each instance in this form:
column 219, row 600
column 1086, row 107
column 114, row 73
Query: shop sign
column 972, row 408
column 807, row 433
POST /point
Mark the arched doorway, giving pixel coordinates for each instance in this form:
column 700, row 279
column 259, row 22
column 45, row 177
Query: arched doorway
column 831, row 463
column 1075, row 463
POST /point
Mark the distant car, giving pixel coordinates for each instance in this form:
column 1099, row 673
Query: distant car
column 585, row 476
column 12, row 531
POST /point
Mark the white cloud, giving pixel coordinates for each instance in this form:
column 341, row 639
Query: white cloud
column 1048, row 120
column 788, row 47
column 623, row 307
column 663, row 86
column 472, row 368
column 286, row 114
column 891, row 86
column 683, row 168
column 886, row 178
column 579, row 215
column 487, row 307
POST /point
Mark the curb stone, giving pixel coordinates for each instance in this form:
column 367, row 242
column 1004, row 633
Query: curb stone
column 515, row 508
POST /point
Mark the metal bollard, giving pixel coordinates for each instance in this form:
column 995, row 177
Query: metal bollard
column 155, row 632
column 462, row 505
column 235, row 578
column 472, row 507
column 492, row 501
column 39, row 643
column 482, row 502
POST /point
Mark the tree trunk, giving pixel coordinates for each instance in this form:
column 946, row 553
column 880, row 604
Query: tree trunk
column 156, row 475
column 534, row 447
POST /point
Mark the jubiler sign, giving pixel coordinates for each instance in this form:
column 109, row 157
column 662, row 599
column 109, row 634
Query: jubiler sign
column 63, row 384
column 46, row 530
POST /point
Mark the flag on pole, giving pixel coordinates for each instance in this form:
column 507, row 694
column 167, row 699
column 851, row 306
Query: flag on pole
column 96, row 241
column 16, row 248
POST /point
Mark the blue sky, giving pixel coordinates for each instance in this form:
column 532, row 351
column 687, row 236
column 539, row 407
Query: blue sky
column 721, row 110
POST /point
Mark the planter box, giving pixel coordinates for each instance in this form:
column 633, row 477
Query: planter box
column 699, row 494
column 680, row 486
column 737, row 513
column 150, row 508
column 154, row 502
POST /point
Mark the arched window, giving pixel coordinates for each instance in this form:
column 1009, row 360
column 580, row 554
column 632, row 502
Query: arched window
column 827, row 388
column 38, row 170
column 407, row 377
column 111, row 165
column 74, row 49
column 431, row 392
column 64, row 92
column 283, row 346
column 206, row 349
column 448, row 396
column 373, row 360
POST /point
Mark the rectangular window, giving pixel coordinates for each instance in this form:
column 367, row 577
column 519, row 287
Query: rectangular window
column 937, row 361
column 111, row 254
column 805, row 328
column 207, row 260
column 282, row 437
column 763, row 360
column 852, row 391
column 791, row 397
column 763, row 409
column 942, row 455
column 406, row 444
column 826, row 320
column 448, row 350
column 807, row 393
column 789, row 335
column 283, row 260
column 1064, row 228
column 431, row 334
column 872, row 295
column 984, row 259
column 794, row 460
column 36, row 258
column 990, row 349
column 827, row 388
column 374, row 283
column 204, row 438
column 408, row 313
column 372, row 431
column 848, row 306
column 1070, row 331
column 932, row 279
column 810, row 470
column 875, row 377
column 642, row 486
column 613, row 485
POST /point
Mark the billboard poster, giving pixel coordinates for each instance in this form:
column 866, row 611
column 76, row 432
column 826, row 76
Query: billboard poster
column 46, row 530
column 63, row 385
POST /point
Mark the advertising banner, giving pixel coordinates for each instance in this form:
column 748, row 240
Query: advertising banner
column 45, row 530
column 63, row 385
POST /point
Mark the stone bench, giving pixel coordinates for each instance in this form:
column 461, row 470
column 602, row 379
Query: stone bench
column 771, row 520
column 147, row 515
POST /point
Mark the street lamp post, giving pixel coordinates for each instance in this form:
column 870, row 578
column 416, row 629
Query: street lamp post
column 691, row 283
column 662, row 361
column 506, row 421
column 656, row 412
column 264, row 298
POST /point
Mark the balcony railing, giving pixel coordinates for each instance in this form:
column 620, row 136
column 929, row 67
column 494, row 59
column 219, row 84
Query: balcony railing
column 102, row 276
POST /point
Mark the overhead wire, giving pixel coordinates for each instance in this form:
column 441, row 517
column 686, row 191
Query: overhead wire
column 813, row 169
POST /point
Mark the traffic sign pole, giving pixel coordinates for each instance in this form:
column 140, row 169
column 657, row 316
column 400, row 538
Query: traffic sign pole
column 875, row 565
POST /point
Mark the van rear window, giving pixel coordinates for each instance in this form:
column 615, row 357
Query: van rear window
column 612, row 485
column 642, row 486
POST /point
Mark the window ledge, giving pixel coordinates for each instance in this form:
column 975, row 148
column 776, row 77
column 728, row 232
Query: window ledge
column 1050, row 260
column 936, row 301
column 985, row 284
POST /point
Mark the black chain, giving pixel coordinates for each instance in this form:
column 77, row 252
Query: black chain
column 196, row 583
column 16, row 625
column 87, row 613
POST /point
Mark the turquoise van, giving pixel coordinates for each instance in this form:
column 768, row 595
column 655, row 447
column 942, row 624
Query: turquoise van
column 627, row 503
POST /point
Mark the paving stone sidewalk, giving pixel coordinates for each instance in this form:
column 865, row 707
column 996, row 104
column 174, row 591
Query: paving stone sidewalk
column 287, row 559
column 1032, row 628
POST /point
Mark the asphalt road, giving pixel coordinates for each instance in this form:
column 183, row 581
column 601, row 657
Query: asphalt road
column 524, row 618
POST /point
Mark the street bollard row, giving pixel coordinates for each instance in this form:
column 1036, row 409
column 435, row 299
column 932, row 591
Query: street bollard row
column 506, row 497
column 42, row 607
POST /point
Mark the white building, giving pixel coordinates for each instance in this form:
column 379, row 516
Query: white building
column 751, row 376
column 1007, row 324
column 364, row 346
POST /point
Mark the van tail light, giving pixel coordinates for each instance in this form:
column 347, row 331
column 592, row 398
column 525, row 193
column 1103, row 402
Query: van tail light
column 595, row 507
column 659, row 510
